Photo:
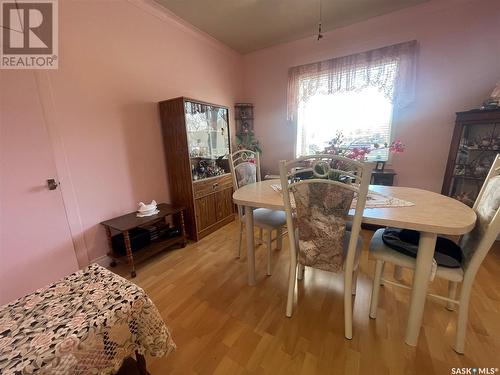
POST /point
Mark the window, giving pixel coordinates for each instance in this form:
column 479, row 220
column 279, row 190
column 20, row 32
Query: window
column 363, row 116
column 355, row 95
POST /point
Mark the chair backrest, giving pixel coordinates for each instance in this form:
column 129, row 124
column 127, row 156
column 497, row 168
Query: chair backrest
column 245, row 169
column 322, row 188
column 476, row 244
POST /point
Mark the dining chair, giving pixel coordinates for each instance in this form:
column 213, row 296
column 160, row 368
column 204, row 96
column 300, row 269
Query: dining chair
column 316, row 212
column 245, row 168
column 474, row 247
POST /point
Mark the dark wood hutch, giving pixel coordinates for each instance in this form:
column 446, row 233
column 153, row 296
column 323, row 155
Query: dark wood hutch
column 474, row 146
column 197, row 145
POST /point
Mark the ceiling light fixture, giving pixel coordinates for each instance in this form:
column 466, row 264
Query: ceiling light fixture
column 320, row 35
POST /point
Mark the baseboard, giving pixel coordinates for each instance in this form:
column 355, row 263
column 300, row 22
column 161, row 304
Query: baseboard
column 102, row 261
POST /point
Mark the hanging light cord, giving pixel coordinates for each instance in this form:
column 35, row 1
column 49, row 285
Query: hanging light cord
column 320, row 35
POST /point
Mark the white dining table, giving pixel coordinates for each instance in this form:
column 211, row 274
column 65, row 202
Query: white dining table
column 431, row 214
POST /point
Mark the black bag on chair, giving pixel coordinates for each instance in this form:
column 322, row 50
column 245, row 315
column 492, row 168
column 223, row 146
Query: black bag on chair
column 447, row 253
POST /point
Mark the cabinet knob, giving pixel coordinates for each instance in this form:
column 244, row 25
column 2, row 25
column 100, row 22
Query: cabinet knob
column 215, row 185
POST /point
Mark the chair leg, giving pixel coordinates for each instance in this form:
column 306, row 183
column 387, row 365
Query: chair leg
column 279, row 238
column 398, row 272
column 291, row 287
column 348, row 304
column 240, row 239
column 452, row 294
column 379, row 270
column 269, row 253
column 463, row 312
column 354, row 281
column 292, row 273
column 301, row 269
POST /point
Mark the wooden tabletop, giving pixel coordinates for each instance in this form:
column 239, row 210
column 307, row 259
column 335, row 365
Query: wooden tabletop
column 432, row 212
column 385, row 171
column 130, row 221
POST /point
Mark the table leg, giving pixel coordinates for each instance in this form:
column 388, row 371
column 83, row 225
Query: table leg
column 130, row 256
column 421, row 276
column 250, row 245
column 141, row 363
column 110, row 245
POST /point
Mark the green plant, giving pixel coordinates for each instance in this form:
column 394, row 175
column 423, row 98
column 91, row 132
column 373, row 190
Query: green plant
column 246, row 140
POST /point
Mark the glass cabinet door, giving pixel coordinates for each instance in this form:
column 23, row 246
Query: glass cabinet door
column 479, row 145
column 208, row 139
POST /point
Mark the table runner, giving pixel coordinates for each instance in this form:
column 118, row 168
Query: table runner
column 87, row 323
column 373, row 200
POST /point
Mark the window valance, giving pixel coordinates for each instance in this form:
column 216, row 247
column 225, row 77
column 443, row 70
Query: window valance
column 391, row 69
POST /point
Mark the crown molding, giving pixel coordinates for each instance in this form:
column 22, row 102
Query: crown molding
column 156, row 10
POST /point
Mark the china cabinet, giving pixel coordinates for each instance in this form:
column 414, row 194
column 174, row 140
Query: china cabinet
column 474, row 146
column 197, row 145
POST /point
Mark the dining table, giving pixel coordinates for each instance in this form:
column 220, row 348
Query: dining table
column 430, row 214
column 90, row 322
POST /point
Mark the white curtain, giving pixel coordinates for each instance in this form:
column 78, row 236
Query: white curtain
column 390, row 69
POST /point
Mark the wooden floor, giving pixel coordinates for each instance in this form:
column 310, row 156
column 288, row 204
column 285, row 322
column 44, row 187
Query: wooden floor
column 223, row 326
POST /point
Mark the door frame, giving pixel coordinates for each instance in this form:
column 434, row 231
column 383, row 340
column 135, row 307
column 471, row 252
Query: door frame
column 68, row 191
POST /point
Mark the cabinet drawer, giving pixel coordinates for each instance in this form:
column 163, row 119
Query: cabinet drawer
column 210, row 185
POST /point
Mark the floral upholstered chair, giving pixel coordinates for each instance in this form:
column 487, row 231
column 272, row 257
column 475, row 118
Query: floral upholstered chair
column 474, row 246
column 246, row 173
column 245, row 167
column 318, row 192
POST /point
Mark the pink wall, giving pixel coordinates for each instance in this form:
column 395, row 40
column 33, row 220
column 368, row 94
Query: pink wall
column 117, row 60
column 459, row 65
column 35, row 242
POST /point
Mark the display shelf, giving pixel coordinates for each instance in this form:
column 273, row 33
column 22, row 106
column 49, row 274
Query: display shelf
column 196, row 137
column 475, row 142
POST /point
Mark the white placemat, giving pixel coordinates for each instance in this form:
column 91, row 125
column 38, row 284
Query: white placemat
column 374, row 200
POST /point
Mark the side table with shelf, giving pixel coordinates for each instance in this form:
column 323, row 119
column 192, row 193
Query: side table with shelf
column 385, row 177
column 125, row 223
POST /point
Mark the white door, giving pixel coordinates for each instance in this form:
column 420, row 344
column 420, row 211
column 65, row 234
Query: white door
column 35, row 241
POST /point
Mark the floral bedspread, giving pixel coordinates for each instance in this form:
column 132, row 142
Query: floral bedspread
column 87, row 323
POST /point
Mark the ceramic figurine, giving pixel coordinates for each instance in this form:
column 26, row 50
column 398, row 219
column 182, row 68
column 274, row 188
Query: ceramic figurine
column 464, row 198
column 480, row 171
column 485, row 142
column 147, row 209
column 496, row 143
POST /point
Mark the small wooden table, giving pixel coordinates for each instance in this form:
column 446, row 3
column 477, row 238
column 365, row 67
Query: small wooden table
column 385, row 177
column 432, row 214
column 123, row 224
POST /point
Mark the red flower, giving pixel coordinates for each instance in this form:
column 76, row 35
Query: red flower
column 336, row 147
column 397, row 147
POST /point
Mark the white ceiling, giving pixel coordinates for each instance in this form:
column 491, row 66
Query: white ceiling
column 249, row 25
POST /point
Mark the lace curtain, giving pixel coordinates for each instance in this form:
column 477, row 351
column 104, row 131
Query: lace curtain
column 390, row 69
